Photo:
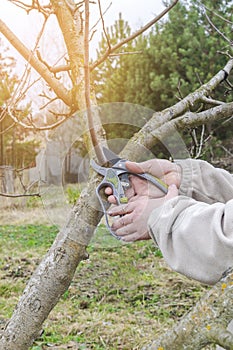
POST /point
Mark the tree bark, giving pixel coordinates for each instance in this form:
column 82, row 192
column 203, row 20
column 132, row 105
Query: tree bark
column 54, row 274
column 205, row 324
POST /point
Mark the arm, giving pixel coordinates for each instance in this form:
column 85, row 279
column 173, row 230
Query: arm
column 203, row 182
column 194, row 178
column 196, row 239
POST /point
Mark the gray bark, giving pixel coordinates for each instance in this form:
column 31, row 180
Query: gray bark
column 205, row 324
column 54, row 274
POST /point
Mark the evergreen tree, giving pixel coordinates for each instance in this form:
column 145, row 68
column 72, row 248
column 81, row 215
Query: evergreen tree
column 109, row 77
column 177, row 56
column 185, row 48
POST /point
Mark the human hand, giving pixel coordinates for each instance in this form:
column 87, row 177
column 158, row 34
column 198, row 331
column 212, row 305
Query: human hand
column 132, row 225
column 168, row 172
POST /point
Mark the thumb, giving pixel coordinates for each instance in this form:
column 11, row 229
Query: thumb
column 172, row 192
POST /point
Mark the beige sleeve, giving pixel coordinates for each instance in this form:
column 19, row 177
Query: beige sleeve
column 196, row 238
column 203, row 182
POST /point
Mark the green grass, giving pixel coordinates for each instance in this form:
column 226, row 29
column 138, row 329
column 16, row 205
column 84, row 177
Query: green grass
column 122, row 297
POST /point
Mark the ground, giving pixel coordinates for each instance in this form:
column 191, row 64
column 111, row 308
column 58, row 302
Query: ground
column 122, row 297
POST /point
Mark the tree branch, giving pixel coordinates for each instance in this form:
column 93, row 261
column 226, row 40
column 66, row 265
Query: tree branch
column 59, row 89
column 160, row 119
column 133, row 36
column 33, row 126
column 196, row 329
column 19, row 195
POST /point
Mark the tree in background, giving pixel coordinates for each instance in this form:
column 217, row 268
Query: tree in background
column 182, row 51
column 17, row 147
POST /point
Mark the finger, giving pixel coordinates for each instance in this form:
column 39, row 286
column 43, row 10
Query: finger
column 108, row 191
column 122, row 221
column 125, row 231
column 133, row 237
column 134, row 167
column 112, row 199
column 152, row 166
column 121, row 210
column 172, row 192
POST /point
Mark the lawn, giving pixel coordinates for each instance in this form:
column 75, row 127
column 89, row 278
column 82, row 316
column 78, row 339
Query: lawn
column 122, row 297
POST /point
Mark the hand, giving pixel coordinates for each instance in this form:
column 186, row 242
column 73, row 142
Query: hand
column 168, row 172
column 132, row 225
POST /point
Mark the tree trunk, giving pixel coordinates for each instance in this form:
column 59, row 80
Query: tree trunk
column 54, row 274
column 205, row 324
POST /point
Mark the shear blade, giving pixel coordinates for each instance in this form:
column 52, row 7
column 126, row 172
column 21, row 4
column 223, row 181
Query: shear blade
column 112, row 157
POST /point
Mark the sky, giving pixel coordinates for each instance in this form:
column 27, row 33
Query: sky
column 135, row 12
column 26, row 27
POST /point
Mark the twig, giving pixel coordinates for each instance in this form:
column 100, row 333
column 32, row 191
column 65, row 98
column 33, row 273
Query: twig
column 35, row 127
column 133, row 36
column 226, row 150
column 211, row 101
column 201, row 143
column 216, row 28
column 103, row 25
column 20, row 195
column 125, row 53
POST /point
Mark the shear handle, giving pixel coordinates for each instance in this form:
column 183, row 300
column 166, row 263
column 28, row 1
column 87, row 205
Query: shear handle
column 98, row 189
column 154, row 180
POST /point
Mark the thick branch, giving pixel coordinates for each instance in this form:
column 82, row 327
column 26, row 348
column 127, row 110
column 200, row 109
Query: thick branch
column 146, row 136
column 40, row 67
column 195, row 330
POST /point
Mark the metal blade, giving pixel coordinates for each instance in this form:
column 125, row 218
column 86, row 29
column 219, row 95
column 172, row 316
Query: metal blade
column 112, row 157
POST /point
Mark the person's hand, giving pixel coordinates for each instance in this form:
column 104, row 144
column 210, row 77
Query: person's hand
column 132, row 225
column 168, row 172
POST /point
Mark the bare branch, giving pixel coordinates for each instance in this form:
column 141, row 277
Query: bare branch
column 103, row 25
column 215, row 13
column 61, row 68
column 45, row 10
column 48, row 103
column 19, row 195
column 161, row 119
column 126, row 53
column 213, row 25
column 211, row 101
column 133, row 36
column 34, row 127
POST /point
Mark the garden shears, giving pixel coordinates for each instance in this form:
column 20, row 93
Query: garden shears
column 116, row 176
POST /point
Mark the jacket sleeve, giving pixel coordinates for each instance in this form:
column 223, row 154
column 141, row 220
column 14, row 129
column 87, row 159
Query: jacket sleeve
column 195, row 238
column 203, row 182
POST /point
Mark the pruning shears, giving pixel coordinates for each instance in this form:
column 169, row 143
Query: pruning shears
column 117, row 178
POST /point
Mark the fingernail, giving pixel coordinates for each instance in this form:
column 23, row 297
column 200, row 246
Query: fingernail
column 172, row 186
